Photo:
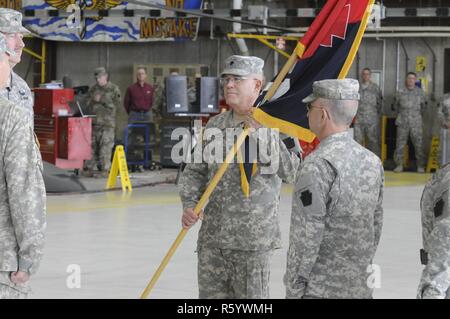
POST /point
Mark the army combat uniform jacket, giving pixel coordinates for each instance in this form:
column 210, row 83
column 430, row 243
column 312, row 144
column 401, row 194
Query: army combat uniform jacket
column 410, row 106
column 105, row 109
column 232, row 221
column 369, row 109
column 22, row 194
column 435, row 281
column 336, row 221
column 18, row 92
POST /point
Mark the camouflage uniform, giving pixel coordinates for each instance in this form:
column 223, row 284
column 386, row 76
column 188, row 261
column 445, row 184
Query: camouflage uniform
column 444, row 110
column 336, row 216
column 238, row 234
column 410, row 105
column 23, row 200
column 244, row 229
column 443, row 115
column 231, row 273
column 435, row 281
column 368, row 117
column 336, row 221
column 17, row 90
column 11, row 21
column 103, row 124
column 158, row 101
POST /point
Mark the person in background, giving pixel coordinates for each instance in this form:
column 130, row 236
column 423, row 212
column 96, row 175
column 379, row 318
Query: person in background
column 103, row 99
column 410, row 104
column 368, row 117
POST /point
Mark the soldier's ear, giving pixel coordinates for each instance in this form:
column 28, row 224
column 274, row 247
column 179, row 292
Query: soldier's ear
column 259, row 85
column 325, row 114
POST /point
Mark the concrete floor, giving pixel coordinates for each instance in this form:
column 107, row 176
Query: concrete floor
column 118, row 242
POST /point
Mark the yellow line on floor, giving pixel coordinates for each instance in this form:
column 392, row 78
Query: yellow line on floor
column 109, row 202
column 405, row 179
column 116, row 200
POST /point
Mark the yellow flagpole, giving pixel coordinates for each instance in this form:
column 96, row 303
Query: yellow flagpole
column 215, row 180
column 212, row 185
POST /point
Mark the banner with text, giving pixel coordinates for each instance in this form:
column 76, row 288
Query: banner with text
column 109, row 20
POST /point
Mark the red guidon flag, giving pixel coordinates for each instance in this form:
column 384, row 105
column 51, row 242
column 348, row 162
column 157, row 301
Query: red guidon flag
column 326, row 51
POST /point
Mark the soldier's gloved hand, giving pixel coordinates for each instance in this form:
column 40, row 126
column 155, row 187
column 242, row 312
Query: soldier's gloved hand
column 19, row 277
column 189, row 218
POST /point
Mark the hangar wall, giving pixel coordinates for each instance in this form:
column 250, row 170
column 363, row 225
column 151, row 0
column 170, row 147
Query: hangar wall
column 79, row 59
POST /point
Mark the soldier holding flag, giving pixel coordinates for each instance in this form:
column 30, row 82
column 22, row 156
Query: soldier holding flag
column 238, row 233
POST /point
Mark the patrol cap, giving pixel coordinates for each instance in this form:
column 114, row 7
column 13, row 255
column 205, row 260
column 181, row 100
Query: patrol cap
column 100, row 71
column 4, row 46
column 11, row 21
column 243, row 65
column 345, row 89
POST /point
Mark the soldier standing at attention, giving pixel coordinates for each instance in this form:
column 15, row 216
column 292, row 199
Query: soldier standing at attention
column 410, row 104
column 103, row 99
column 238, row 233
column 337, row 203
column 22, row 194
column 367, row 122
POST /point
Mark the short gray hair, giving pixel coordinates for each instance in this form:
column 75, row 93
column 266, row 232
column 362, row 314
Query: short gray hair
column 141, row 67
column 260, row 77
column 342, row 112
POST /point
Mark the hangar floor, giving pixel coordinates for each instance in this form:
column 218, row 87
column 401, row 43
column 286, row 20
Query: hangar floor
column 119, row 240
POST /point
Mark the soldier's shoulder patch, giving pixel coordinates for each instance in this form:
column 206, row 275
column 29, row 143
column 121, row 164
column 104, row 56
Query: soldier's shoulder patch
column 306, row 198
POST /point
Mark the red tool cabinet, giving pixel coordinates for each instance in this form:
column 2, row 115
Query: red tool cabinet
column 65, row 140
